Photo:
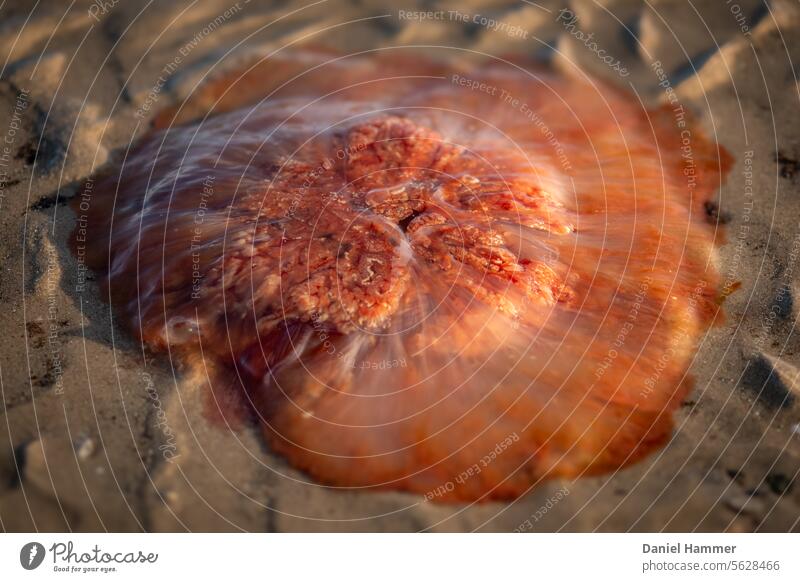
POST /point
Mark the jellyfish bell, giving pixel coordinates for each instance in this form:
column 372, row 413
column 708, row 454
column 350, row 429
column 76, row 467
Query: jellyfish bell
column 415, row 284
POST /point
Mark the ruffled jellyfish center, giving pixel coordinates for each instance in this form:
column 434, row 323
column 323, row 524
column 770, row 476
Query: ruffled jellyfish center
column 414, row 198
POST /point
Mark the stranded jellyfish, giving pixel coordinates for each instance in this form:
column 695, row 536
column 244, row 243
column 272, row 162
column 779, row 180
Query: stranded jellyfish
column 454, row 280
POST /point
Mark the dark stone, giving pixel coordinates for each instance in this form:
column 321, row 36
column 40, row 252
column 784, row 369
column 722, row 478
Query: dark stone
column 629, row 33
column 734, row 474
column 691, row 68
column 546, row 51
column 784, row 302
column 714, row 215
column 46, row 202
column 763, row 381
column 20, row 459
column 760, row 12
column 779, row 483
column 787, row 166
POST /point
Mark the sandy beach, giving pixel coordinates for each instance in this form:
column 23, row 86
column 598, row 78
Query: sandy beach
column 100, row 435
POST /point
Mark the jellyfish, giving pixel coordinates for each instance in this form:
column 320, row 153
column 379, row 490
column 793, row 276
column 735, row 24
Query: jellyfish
column 455, row 280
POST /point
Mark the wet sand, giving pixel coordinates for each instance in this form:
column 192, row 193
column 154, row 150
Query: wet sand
column 98, row 435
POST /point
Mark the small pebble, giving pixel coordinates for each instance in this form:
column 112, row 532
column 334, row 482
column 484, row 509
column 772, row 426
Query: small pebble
column 86, row 449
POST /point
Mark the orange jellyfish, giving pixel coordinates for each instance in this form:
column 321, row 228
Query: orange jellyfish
column 450, row 280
